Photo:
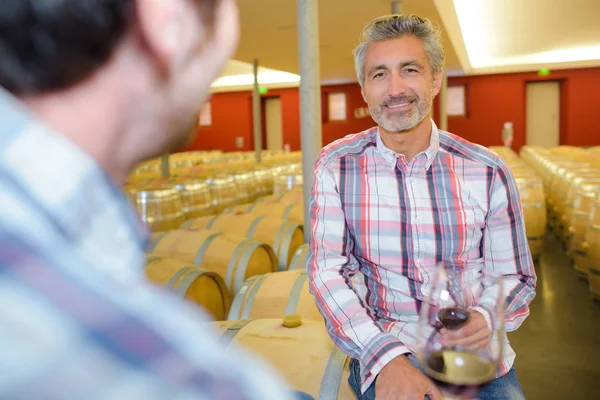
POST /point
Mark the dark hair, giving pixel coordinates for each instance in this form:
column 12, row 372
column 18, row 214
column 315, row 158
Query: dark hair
column 48, row 45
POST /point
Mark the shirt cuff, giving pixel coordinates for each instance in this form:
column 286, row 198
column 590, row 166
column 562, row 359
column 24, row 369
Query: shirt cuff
column 380, row 350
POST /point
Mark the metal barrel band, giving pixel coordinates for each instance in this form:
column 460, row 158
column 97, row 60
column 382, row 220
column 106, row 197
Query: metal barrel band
column 153, row 244
column 288, row 234
column 253, row 226
column 294, row 297
column 277, row 244
column 204, row 247
column 232, row 263
column 330, row 385
column 288, row 210
column 150, row 260
column 240, row 273
column 188, row 280
column 233, row 330
column 234, row 312
column 178, row 275
column 537, row 205
column 251, row 296
column 212, row 221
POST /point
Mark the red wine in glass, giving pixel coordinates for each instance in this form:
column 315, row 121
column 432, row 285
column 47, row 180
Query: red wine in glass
column 459, row 373
column 453, row 318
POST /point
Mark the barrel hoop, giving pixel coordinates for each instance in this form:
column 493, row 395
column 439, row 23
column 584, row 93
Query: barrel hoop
column 253, row 226
column 285, row 246
column 212, row 221
column 204, row 247
column 251, row 296
column 294, row 297
column 232, row 263
column 187, row 224
column 233, row 330
column 240, row 273
column 153, row 244
column 288, row 210
column 277, row 244
column 537, row 205
column 295, row 264
column 304, row 259
column 187, row 281
column 150, row 260
column 177, row 275
column 330, row 385
column 234, row 312
column 252, row 206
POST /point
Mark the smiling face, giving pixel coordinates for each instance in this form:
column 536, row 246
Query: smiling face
column 399, row 87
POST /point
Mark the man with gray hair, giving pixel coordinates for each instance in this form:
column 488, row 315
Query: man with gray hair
column 392, row 202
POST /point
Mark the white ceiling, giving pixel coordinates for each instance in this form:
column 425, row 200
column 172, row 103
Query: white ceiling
column 492, row 36
column 502, row 35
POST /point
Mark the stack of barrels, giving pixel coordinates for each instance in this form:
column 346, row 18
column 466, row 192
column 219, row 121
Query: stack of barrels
column 531, row 191
column 206, row 183
column 571, row 178
column 219, row 242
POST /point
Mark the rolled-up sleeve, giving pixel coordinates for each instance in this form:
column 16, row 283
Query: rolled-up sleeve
column 331, row 267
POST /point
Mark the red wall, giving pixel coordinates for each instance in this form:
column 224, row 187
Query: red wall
column 491, row 100
column 494, row 99
column 232, row 117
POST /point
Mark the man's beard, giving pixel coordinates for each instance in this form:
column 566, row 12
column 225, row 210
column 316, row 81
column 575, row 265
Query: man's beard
column 398, row 121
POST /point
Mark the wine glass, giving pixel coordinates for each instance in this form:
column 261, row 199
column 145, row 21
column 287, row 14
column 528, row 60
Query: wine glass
column 455, row 294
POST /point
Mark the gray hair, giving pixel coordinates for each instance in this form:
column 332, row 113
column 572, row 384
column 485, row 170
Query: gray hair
column 395, row 26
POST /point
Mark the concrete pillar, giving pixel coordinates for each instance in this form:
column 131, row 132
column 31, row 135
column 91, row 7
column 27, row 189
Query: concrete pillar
column 256, row 114
column 310, row 96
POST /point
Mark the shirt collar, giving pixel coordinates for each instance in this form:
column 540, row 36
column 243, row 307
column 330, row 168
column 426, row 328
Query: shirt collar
column 434, row 144
column 58, row 176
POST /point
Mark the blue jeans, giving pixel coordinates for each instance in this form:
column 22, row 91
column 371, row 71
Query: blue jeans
column 298, row 395
column 506, row 387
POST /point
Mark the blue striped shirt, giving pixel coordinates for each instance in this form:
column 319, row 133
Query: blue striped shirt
column 78, row 319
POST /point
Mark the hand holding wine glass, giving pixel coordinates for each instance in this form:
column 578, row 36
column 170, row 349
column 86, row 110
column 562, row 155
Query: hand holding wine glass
column 460, row 348
column 475, row 334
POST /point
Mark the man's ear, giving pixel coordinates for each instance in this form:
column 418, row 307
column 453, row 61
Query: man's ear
column 160, row 25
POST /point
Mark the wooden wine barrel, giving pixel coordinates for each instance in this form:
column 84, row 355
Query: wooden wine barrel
column 531, row 191
column 282, row 235
column 234, row 258
column 580, row 220
column 305, row 356
column 300, row 258
column 192, row 283
column 290, row 211
column 275, row 295
column 593, row 249
column 224, row 193
column 246, row 187
column 287, row 182
column 159, row 206
column 293, row 196
column 196, row 198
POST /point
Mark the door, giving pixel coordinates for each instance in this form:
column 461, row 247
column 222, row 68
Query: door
column 543, row 114
column 273, row 122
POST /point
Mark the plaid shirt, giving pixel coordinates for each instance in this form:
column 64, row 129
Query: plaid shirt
column 392, row 221
column 77, row 319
